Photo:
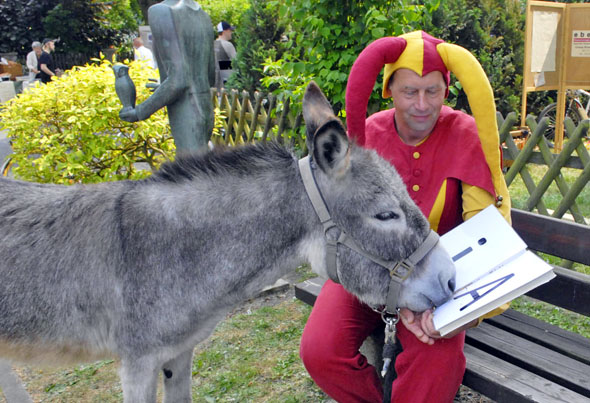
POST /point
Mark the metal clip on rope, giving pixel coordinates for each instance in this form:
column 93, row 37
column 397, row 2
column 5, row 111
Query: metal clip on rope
column 390, row 339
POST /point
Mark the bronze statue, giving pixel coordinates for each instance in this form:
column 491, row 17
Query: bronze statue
column 183, row 47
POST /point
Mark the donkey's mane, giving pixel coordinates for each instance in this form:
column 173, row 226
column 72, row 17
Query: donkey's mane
column 240, row 161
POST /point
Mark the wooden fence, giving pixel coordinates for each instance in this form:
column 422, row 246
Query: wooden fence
column 536, row 151
column 258, row 118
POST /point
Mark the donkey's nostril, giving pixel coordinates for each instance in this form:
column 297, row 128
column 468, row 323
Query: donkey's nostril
column 452, row 285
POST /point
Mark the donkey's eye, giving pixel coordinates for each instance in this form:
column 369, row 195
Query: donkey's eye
column 389, row 215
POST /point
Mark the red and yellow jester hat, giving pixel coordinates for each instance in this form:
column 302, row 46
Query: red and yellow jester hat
column 419, row 55
column 423, row 54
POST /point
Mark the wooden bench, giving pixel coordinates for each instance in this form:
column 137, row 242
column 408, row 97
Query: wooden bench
column 514, row 357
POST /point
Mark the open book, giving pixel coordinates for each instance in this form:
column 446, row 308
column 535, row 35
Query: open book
column 493, row 267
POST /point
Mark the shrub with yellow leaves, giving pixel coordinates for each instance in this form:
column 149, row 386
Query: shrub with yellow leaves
column 69, row 130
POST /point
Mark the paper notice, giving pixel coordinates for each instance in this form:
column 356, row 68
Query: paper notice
column 580, row 43
column 544, row 43
column 539, row 79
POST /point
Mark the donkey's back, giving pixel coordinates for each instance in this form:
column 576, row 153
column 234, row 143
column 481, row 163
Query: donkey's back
column 115, row 268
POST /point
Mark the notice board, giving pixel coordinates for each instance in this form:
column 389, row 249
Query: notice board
column 557, row 53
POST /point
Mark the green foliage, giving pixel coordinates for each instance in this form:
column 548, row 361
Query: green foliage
column 326, row 36
column 21, row 23
column 69, row 130
column 223, row 10
column 258, row 38
column 493, row 30
column 85, row 26
column 89, row 26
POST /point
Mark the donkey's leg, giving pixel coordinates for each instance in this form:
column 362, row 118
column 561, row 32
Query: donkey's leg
column 177, row 378
column 139, row 378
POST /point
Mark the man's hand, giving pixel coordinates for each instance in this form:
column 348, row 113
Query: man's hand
column 128, row 114
column 422, row 325
column 413, row 322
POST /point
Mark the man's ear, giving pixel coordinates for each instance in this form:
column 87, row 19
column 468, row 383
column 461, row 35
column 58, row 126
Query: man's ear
column 326, row 138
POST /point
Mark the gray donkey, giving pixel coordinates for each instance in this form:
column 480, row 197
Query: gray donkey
column 144, row 270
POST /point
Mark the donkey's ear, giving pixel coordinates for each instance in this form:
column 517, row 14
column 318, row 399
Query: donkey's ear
column 316, row 110
column 330, row 148
column 326, row 138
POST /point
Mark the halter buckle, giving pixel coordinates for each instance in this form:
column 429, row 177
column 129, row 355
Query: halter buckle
column 401, row 270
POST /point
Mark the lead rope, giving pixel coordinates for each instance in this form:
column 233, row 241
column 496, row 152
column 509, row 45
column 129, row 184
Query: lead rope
column 390, row 351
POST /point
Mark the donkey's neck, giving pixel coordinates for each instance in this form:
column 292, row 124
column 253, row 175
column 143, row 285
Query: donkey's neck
column 245, row 231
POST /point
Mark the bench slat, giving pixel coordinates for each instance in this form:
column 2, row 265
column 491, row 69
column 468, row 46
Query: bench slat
column 505, row 382
column 569, row 290
column 557, row 237
column 570, row 373
column 308, row 290
column 553, row 337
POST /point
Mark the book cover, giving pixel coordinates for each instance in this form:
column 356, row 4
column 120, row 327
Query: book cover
column 493, row 267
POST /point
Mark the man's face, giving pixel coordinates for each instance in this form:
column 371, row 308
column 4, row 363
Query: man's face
column 51, row 46
column 38, row 51
column 418, row 101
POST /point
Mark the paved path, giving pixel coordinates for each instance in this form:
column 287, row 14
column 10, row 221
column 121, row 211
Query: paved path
column 4, row 146
column 11, row 386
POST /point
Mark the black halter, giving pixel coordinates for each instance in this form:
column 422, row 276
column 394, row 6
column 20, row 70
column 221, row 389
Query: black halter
column 398, row 271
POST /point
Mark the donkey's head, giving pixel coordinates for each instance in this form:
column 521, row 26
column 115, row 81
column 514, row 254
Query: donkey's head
column 367, row 200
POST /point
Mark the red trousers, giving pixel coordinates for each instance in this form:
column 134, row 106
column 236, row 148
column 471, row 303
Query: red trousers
column 330, row 344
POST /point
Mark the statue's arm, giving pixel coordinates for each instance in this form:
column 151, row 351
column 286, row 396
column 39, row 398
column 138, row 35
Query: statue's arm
column 168, row 44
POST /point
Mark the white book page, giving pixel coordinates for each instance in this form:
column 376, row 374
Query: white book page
column 508, row 282
column 481, row 244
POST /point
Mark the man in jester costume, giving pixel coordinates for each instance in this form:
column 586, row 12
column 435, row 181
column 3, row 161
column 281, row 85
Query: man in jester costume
column 451, row 165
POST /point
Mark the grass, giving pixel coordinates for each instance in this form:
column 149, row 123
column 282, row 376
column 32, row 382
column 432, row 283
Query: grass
column 557, row 316
column 95, row 382
column 552, row 197
column 254, row 358
column 251, row 357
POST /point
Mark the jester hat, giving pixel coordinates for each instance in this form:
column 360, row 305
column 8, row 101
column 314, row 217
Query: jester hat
column 423, row 54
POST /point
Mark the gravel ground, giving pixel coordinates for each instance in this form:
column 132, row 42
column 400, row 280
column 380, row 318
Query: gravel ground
column 285, row 291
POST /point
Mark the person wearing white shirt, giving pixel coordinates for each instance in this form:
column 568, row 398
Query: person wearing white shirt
column 32, row 60
column 143, row 53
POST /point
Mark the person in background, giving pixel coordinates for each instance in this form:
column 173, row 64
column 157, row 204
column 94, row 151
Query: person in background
column 46, row 64
column 224, row 54
column 142, row 53
column 33, row 60
column 451, row 165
